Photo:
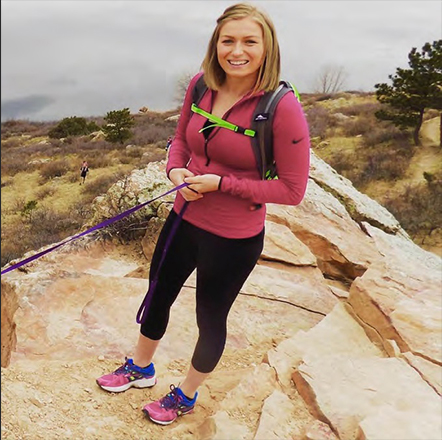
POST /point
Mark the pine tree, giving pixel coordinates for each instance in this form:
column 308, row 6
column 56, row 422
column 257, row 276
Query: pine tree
column 118, row 125
column 414, row 90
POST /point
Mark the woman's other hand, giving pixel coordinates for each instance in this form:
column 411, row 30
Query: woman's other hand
column 204, row 183
column 177, row 177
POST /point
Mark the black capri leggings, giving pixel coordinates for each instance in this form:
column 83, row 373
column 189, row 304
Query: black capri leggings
column 222, row 264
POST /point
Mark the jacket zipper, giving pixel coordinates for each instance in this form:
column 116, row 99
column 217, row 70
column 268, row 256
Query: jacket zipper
column 205, row 151
column 216, row 129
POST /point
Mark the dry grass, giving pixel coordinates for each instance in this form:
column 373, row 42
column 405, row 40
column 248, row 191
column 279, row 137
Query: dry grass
column 47, row 171
column 373, row 155
column 382, row 162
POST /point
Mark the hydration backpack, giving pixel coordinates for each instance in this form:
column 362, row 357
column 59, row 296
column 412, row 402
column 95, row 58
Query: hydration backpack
column 261, row 125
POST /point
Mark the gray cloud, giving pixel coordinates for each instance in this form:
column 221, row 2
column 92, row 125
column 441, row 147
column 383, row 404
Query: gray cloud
column 24, row 108
column 91, row 57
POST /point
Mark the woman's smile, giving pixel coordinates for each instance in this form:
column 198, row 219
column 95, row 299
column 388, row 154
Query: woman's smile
column 240, row 48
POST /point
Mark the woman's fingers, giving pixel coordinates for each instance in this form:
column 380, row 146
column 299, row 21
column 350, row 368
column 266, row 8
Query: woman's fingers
column 190, row 195
column 203, row 183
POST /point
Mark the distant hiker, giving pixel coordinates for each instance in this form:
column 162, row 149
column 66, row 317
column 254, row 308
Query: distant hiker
column 169, row 143
column 216, row 225
column 83, row 171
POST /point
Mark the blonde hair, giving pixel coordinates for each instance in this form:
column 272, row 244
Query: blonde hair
column 269, row 72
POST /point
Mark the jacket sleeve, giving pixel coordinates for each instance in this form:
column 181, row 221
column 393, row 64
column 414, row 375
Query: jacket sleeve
column 179, row 154
column 291, row 149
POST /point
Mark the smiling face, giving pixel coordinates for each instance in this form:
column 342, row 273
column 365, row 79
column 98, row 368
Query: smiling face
column 240, row 48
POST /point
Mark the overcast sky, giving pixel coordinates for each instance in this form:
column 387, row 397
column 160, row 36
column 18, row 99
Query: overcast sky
column 84, row 58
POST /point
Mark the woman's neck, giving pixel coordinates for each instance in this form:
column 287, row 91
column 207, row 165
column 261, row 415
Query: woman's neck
column 238, row 87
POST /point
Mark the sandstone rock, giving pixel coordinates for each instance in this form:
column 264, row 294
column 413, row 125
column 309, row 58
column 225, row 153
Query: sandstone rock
column 9, row 305
column 319, row 431
column 339, row 318
column 278, row 420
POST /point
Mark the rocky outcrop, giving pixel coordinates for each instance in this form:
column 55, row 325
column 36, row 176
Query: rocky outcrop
column 335, row 335
column 359, row 206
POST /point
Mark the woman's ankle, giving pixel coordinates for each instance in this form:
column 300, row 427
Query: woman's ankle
column 142, row 363
column 188, row 393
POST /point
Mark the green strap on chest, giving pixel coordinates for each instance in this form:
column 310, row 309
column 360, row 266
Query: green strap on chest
column 218, row 122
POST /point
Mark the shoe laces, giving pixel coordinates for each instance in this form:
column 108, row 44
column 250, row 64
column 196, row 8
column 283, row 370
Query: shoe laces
column 171, row 400
column 124, row 369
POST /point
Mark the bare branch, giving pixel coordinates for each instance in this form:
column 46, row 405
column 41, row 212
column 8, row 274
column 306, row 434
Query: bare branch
column 181, row 86
column 331, row 79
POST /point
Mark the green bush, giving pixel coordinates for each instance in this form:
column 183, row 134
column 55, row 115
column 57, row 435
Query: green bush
column 73, row 126
column 29, row 209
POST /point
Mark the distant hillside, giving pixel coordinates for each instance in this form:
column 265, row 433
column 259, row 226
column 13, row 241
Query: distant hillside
column 43, row 201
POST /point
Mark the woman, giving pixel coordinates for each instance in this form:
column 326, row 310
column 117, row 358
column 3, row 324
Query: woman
column 83, row 171
column 221, row 233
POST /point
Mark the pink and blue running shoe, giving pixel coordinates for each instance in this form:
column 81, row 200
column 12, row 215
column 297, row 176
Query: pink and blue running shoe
column 127, row 376
column 167, row 409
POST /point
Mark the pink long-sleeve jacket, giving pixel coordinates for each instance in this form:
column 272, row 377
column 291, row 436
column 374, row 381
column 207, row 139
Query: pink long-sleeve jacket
column 227, row 212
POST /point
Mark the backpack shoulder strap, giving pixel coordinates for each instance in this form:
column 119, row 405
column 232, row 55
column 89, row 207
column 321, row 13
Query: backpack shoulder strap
column 198, row 90
column 262, row 123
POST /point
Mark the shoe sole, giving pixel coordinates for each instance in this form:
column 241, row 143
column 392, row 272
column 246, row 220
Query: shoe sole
column 140, row 383
column 162, row 422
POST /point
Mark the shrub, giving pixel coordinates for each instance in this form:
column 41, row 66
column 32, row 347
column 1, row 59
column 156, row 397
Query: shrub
column 363, row 109
column 82, row 209
column 44, row 228
column 318, row 120
column 73, row 126
column 342, row 162
column 429, row 177
column 17, row 243
column 325, row 97
column 134, row 151
column 151, row 134
column 383, row 133
column 7, row 182
column 15, row 127
column 152, row 155
column 355, row 127
column 18, row 205
column 418, row 208
column 47, row 191
column 13, row 165
column 57, row 168
column 99, row 160
column 367, row 165
column 383, row 165
column 13, row 142
column 101, row 184
column 28, row 210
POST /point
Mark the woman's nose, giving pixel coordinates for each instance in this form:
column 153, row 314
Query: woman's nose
column 238, row 49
